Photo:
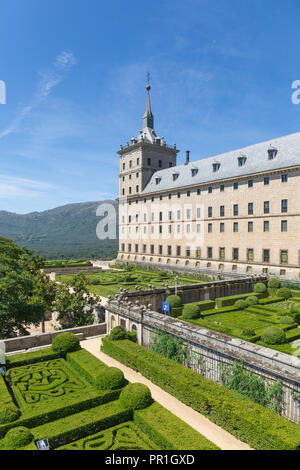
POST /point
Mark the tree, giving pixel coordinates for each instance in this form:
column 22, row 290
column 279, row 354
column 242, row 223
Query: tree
column 44, row 292
column 20, row 304
column 74, row 304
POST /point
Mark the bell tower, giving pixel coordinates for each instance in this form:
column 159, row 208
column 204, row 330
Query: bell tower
column 143, row 156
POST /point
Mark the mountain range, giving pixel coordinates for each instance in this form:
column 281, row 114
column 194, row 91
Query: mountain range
column 66, row 232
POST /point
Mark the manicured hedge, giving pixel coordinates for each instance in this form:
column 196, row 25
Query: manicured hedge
column 23, row 359
column 74, row 427
column 269, row 300
column 86, row 364
column 168, row 431
column 260, row 427
column 231, row 299
column 65, row 342
column 206, row 305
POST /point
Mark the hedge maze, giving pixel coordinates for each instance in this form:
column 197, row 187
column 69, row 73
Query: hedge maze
column 79, row 403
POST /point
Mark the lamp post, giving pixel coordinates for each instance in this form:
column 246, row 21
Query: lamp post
column 176, row 281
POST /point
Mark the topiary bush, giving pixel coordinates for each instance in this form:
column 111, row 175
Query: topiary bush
column 17, row 437
column 274, row 283
column 118, row 333
column 294, row 307
column 65, row 342
column 132, row 336
column 284, row 293
column 9, row 413
column 251, row 300
column 273, row 335
column 248, row 332
column 259, row 288
column 135, row 396
column 241, row 304
column 110, row 378
column 191, row 311
column 174, row 301
column 287, row 320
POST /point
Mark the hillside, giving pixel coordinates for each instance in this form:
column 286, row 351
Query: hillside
column 64, row 232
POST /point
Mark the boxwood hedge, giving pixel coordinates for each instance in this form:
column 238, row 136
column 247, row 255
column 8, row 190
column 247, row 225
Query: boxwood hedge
column 260, row 427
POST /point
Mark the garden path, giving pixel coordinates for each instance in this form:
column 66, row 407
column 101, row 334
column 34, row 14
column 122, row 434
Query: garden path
column 211, row 431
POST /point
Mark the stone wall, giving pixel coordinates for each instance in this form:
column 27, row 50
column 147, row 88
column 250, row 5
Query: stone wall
column 209, row 349
column 196, row 292
column 44, row 339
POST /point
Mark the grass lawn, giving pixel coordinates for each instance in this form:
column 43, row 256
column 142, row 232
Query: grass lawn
column 109, row 283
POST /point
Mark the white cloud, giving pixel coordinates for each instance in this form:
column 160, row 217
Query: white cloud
column 11, row 186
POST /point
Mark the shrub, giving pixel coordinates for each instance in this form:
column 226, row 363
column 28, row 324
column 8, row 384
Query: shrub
column 259, row 288
column 294, row 307
column 174, row 301
column 132, row 336
column 251, row 300
column 191, row 311
column 110, row 378
column 9, row 413
column 273, row 335
column 274, row 283
column 287, row 320
column 117, row 333
column 284, row 293
column 17, row 437
column 135, row 396
column 65, row 342
column 248, row 332
column 241, row 304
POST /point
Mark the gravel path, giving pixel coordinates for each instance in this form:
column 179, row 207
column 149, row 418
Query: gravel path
column 211, row 431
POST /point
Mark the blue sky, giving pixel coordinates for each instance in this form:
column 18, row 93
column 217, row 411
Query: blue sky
column 221, row 76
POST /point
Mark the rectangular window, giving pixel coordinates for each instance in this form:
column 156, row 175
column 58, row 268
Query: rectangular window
column 170, row 196
column 235, row 209
column 159, row 163
column 188, row 193
column 235, row 254
column 160, row 229
column 250, row 208
column 283, row 256
column 222, row 187
column 169, row 250
column 222, row 211
column 284, row 205
column 235, row 226
column 210, row 212
column 178, row 195
column 160, row 249
column 136, row 248
column 160, row 216
column 235, row 185
column 266, row 256
column 198, row 228
column 148, row 161
column 250, row 254
column 152, row 249
column 198, row 192
column 209, row 252
column 188, row 228
column 284, row 225
column 250, row 226
column 222, row 227
column 198, row 252
column 178, row 250
column 129, row 247
column 170, row 228
column 198, row 212
column 178, row 228
column 284, row 178
column 266, row 226
column 170, row 215
column 222, row 253
column 144, row 248
column 266, row 207
column 188, row 213
column 210, row 190
column 188, row 252
column 266, row 181
column 250, row 183
column 209, row 228
column 123, row 247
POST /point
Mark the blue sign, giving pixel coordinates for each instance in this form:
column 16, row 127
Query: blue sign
column 165, row 308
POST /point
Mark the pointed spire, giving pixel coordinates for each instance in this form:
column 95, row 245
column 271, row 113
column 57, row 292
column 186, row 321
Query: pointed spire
column 148, row 116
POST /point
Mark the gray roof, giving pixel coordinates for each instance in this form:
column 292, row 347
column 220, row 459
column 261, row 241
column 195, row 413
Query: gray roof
column 257, row 160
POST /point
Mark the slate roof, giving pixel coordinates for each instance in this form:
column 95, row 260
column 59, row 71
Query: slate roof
column 257, row 160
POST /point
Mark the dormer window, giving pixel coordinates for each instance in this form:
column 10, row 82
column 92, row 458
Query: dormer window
column 175, row 176
column 242, row 160
column 157, row 179
column 272, row 152
column 216, row 166
column 194, row 171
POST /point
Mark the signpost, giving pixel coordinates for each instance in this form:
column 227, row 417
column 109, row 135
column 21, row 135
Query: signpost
column 165, row 308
